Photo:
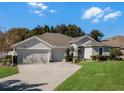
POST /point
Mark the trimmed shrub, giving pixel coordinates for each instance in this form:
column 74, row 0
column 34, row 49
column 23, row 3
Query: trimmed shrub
column 94, row 57
column 99, row 57
column 8, row 56
column 75, row 60
column 115, row 53
column 67, row 57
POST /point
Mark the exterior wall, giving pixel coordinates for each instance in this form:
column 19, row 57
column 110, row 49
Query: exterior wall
column 88, row 53
column 58, row 54
column 122, row 50
column 106, row 51
column 95, row 51
column 33, row 44
column 92, row 51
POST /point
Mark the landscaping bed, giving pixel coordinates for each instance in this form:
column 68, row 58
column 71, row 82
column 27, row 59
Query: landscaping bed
column 107, row 75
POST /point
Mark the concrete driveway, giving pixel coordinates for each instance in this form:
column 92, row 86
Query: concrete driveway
column 36, row 77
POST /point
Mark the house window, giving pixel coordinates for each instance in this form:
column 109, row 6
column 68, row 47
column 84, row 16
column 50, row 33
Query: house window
column 100, row 51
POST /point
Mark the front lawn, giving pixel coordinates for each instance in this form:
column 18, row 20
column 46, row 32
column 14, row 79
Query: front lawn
column 96, row 76
column 7, row 71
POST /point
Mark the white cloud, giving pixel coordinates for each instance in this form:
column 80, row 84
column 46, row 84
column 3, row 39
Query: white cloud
column 108, row 9
column 38, row 5
column 40, row 9
column 96, row 14
column 36, row 12
column 91, row 12
column 113, row 15
column 53, row 11
column 96, row 20
column 33, row 4
column 40, row 13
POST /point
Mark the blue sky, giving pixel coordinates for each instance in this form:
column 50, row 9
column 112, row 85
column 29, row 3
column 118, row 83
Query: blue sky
column 107, row 17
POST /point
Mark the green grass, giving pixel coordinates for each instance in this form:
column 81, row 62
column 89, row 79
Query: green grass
column 96, row 76
column 7, row 71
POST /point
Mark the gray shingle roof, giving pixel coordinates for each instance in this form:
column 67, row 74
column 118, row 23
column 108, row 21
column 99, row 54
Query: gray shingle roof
column 60, row 40
column 56, row 39
column 94, row 43
column 75, row 39
column 116, row 41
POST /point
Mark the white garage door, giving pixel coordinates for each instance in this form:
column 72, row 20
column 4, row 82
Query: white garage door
column 32, row 56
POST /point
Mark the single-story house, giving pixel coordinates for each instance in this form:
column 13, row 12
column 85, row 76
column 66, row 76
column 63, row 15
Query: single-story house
column 115, row 42
column 52, row 47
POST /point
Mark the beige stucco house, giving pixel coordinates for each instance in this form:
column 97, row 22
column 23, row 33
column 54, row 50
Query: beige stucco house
column 52, row 46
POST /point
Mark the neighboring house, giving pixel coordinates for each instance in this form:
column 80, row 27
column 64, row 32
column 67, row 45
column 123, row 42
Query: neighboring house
column 52, row 46
column 115, row 42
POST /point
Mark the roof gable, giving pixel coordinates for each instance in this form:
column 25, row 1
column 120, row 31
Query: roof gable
column 94, row 43
column 30, row 42
column 55, row 39
column 86, row 41
column 77, row 39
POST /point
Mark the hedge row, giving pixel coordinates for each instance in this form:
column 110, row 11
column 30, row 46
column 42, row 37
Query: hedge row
column 9, row 58
column 100, row 57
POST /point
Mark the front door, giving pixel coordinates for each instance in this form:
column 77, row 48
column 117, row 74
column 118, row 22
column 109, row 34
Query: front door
column 81, row 52
column 100, row 51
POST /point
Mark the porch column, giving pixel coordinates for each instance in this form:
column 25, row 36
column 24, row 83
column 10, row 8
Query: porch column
column 75, row 52
column 49, row 55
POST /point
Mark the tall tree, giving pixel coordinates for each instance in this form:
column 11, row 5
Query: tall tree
column 46, row 28
column 74, row 31
column 37, row 30
column 2, row 39
column 15, row 35
column 40, row 30
column 70, row 30
column 60, row 28
column 96, row 34
column 52, row 29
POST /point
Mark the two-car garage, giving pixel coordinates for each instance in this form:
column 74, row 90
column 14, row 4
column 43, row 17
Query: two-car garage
column 33, row 50
column 40, row 55
column 33, row 56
